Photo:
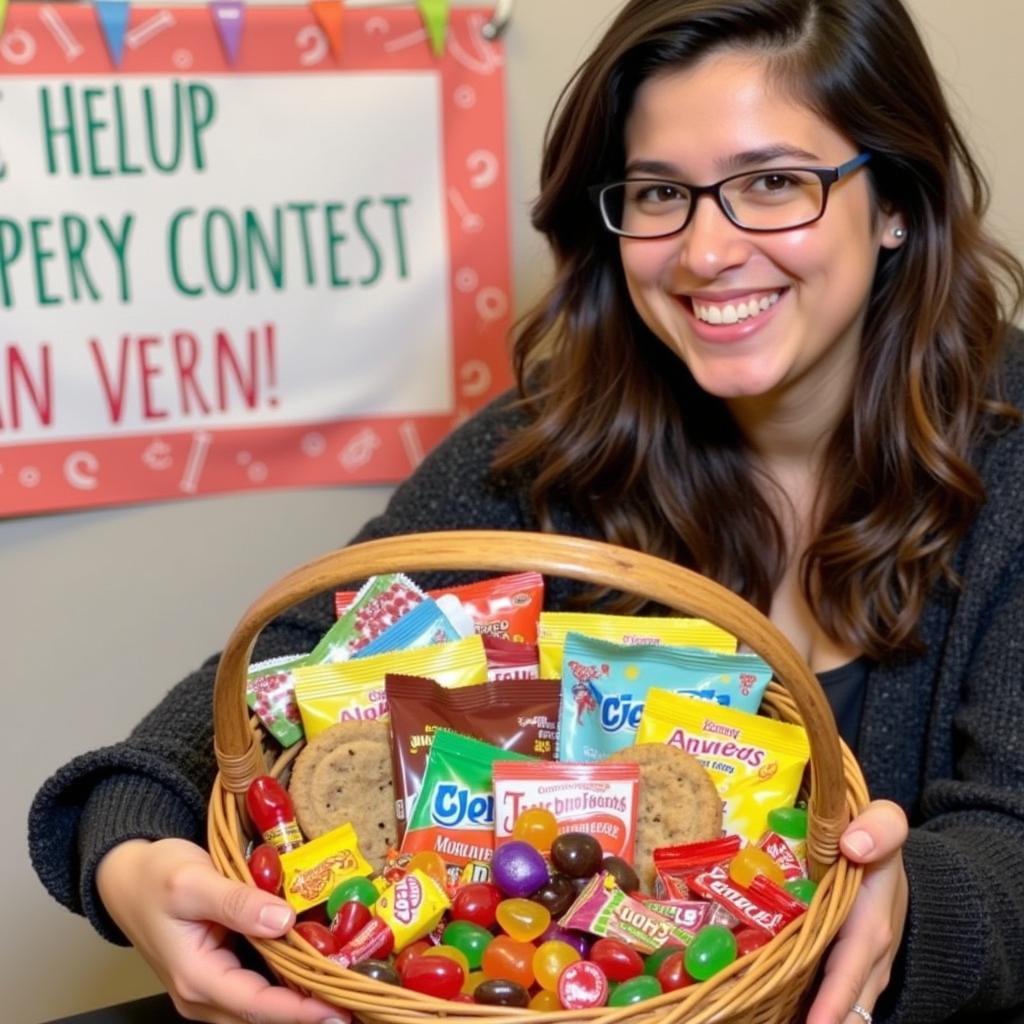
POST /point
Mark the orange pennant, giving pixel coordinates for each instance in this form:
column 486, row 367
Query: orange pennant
column 329, row 15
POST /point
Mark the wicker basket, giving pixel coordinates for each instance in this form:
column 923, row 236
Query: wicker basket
column 767, row 986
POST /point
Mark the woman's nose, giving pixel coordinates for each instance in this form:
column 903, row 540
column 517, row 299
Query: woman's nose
column 711, row 243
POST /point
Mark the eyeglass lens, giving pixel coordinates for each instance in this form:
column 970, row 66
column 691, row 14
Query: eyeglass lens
column 769, row 200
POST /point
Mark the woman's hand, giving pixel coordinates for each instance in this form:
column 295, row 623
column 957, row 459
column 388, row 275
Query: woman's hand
column 857, row 969
column 176, row 909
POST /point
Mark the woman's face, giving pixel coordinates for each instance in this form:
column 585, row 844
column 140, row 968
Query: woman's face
column 700, row 125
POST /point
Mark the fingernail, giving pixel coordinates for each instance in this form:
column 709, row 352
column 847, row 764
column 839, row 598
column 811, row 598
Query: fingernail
column 334, row 1020
column 859, row 843
column 275, row 917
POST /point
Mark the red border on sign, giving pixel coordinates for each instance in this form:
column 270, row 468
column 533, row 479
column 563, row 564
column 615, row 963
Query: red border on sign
column 64, row 40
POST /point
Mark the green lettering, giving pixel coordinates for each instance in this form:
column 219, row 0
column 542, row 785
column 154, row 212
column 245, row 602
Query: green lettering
column 396, row 203
column 303, row 210
column 200, row 96
column 177, row 123
column 227, row 285
column 51, row 131
column 173, row 250
column 272, row 261
column 119, row 246
column 94, row 124
column 76, row 234
column 334, row 239
column 364, row 231
column 42, row 256
column 122, row 137
column 10, row 250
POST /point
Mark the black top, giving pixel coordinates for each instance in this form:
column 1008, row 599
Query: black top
column 844, row 686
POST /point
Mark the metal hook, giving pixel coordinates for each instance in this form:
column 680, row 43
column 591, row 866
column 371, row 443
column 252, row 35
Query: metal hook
column 499, row 20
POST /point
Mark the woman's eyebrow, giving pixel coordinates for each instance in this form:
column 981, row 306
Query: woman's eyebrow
column 734, row 162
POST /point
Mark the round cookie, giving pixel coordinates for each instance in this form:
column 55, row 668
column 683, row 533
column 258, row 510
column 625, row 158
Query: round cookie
column 678, row 802
column 344, row 774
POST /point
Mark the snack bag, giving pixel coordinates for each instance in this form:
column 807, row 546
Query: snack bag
column 380, row 603
column 454, row 813
column 507, row 659
column 757, row 763
column 270, row 694
column 523, row 718
column 604, row 686
column 630, row 630
column 354, row 690
column 501, row 606
column 422, row 626
column 599, row 799
column 313, row 870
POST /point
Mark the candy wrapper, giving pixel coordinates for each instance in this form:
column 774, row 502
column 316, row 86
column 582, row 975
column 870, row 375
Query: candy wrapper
column 313, row 870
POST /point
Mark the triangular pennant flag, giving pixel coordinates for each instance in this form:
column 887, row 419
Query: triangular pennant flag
column 113, row 15
column 229, row 17
column 329, row 16
column 435, row 17
column 3, row 14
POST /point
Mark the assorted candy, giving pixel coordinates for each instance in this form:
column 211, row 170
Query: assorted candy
column 514, row 882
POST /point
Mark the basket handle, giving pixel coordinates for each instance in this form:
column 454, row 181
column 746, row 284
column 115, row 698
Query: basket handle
column 595, row 562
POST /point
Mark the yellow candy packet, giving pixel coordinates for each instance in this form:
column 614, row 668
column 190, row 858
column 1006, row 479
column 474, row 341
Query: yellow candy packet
column 312, row 871
column 412, row 908
column 756, row 763
column 354, row 690
column 552, row 628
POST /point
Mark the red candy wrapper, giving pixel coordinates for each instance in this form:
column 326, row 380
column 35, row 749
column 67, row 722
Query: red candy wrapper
column 782, row 853
column 756, row 906
column 674, row 865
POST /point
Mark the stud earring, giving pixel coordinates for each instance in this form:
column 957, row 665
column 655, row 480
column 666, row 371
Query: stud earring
column 899, row 233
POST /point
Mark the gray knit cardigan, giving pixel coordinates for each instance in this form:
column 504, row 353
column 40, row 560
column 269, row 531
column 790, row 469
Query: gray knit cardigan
column 942, row 734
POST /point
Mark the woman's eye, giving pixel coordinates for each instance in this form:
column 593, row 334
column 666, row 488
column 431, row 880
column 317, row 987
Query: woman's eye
column 772, row 182
column 660, row 194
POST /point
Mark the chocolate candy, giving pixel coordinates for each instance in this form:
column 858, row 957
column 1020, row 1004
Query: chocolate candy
column 625, row 877
column 501, row 992
column 557, row 894
column 576, row 854
column 518, row 868
column 378, row 970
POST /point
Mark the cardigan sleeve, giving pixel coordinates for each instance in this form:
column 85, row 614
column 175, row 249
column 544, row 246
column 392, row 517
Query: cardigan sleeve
column 155, row 784
column 964, row 938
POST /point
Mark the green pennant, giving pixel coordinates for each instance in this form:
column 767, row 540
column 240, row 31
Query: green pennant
column 3, row 14
column 435, row 18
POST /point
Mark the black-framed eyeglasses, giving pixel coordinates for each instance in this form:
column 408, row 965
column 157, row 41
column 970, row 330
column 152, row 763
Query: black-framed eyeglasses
column 769, row 199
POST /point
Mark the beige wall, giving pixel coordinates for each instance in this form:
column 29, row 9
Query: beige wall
column 101, row 611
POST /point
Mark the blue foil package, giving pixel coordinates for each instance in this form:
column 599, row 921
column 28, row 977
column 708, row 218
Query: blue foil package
column 422, row 626
column 604, row 688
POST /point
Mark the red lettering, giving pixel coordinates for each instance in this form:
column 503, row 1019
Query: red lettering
column 186, row 355
column 228, row 361
column 114, row 393
column 37, row 391
column 147, row 371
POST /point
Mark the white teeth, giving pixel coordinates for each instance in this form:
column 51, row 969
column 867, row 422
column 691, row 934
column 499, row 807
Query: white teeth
column 731, row 313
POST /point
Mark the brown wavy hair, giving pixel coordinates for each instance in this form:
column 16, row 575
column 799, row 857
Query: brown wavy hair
column 620, row 430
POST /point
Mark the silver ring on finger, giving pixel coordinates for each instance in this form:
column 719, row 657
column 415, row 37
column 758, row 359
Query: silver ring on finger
column 865, row 1015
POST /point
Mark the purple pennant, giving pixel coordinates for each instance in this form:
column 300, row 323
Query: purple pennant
column 229, row 17
column 113, row 17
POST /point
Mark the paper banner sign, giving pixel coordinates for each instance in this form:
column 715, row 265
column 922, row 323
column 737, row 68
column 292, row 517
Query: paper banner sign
column 329, row 16
column 229, row 19
column 435, row 14
column 113, row 17
column 287, row 271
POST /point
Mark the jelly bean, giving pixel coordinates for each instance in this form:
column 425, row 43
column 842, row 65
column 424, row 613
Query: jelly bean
column 349, row 919
column 545, row 1001
column 471, row 939
column 271, row 810
column 357, row 888
column 523, row 919
column 265, row 868
column 657, row 958
column 713, row 948
column 317, row 913
column 576, row 854
column 582, row 985
column 536, row 826
column 501, row 992
column 751, row 861
column 749, row 939
column 580, row 941
column 433, row 976
column 625, row 877
column 510, row 959
column 802, row 888
column 414, row 949
column 636, row 990
column 431, row 864
column 616, row 959
column 672, row 973
column 450, row 953
column 318, row 936
column 550, row 959
column 476, row 902
column 557, row 894
column 472, row 980
column 378, row 970
column 790, row 822
column 518, row 869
